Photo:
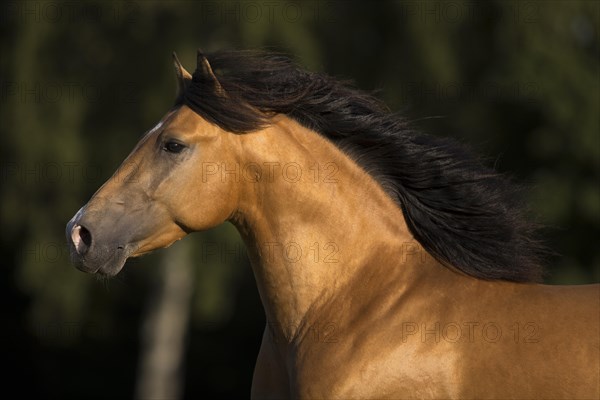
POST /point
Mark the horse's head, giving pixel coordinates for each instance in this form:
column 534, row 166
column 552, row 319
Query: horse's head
column 165, row 189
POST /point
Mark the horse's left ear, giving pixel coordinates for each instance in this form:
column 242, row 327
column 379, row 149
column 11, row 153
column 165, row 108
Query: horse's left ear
column 183, row 77
column 204, row 66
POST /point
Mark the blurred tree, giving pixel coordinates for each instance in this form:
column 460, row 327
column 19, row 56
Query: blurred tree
column 165, row 326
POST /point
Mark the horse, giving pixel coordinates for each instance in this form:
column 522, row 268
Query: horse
column 390, row 263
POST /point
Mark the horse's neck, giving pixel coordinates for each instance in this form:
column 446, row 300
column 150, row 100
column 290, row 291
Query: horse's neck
column 316, row 225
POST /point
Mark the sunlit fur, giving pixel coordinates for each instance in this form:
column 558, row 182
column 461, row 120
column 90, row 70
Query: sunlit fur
column 464, row 213
column 381, row 318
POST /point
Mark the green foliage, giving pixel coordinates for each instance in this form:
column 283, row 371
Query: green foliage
column 80, row 82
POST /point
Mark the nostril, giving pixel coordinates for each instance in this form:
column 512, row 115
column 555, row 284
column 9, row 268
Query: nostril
column 86, row 236
column 82, row 239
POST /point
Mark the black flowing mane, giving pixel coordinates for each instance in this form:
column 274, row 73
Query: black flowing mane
column 466, row 215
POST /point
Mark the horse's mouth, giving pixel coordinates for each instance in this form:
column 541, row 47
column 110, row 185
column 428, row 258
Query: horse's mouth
column 106, row 260
column 96, row 253
column 109, row 267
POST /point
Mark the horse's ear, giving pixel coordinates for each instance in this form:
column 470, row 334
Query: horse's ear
column 183, row 77
column 204, row 66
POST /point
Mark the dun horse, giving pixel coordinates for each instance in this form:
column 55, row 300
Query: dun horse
column 390, row 264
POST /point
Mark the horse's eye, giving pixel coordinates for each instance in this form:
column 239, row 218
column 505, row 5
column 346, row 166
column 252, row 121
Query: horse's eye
column 173, row 147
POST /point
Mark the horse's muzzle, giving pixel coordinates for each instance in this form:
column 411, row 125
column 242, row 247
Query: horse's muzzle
column 92, row 248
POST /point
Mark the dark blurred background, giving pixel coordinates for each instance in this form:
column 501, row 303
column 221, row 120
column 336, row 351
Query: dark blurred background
column 80, row 82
